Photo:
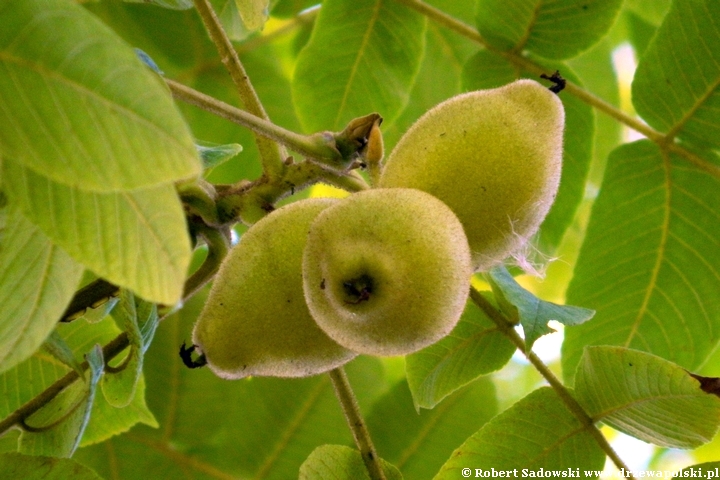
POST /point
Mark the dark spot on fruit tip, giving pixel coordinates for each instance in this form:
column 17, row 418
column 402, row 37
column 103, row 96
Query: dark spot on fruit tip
column 322, row 284
column 358, row 290
column 557, row 79
column 186, row 356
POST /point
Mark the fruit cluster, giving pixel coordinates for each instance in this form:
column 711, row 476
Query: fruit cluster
column 387, row 271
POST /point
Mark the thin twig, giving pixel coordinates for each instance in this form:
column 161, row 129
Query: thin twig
column 309, row 146
column 350, row 407
column 529, row 66
column 575, row 408
column 272, row 154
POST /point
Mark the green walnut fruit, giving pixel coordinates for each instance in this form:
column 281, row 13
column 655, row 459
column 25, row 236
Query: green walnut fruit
column 494, row 157
column 387, row 271
column 255, row 321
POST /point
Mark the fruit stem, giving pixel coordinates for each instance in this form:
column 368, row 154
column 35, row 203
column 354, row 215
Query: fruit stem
column 309, row 146
column 507, row 328
column 350, row 407
column 272, row 154
column 516, row 58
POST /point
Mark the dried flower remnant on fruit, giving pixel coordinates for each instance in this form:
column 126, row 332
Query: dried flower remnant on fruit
column 186, row 356
column 557, row 79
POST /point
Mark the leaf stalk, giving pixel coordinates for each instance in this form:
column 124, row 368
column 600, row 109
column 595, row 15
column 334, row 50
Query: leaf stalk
column 507, row 328
column 350, row 407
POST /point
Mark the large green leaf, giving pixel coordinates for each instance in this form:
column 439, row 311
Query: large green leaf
column 29, row 467
column 341, row 463
column 487, row 69
column 438, row 78
column 37, row 280
column 475, row 347
column 78, row 105
column 676, row 87
column 537, row 432
column 555, row 29
column 418, row 444
column 650, row 263
column 646, row 396
column 259, row 427
column 362, row 57
column 136, row 239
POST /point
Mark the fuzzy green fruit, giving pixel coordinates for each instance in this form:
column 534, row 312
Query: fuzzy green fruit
column 387, row 271
column 494, row 157
column 255, row 321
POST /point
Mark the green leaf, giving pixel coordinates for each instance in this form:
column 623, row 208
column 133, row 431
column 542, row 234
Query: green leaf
column 254, row 13
column 136, row 239
column 56, row 346
column 229, row 15
column 29, row 378
column 120, row 381
column 676, row 88
column 57, row 428
column 341, row 463
column 29, row 467
column 556, row 29
column 77, row 105
column 362, row 57
column 646, row 396
column 418, row 444
column 172, row 4
column 701, row 470
column 37, row 281
column 650, row 262
column 488, row 69
column 532, row 312
column 107, row 421
column 213, row 156
column 652, row 12
column 475, row 347
column 536, row 432
column 438, row 78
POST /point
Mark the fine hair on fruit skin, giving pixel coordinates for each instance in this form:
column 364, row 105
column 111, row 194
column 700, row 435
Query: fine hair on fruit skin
column 255, row 321
column 387, row 271
column 494, row 157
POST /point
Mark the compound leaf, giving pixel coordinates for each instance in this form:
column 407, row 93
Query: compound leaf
column 78, row 105
column 646, row 396
column 362, row 57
